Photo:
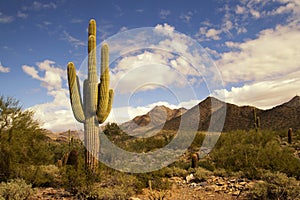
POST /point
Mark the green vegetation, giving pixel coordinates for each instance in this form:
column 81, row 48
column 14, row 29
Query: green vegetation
column 97, row 100
column 23, row 143
column 250, row 152
column 29, row 160
column 15, row 189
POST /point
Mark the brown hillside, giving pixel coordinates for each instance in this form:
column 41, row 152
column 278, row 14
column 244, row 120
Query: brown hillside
column 282, row 117
column 154, row 118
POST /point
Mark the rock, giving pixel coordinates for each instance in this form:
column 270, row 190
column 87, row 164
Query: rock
column 134, row 198
column 203, row 184
column 236, row 193
column 193, row 185
column 189, row 178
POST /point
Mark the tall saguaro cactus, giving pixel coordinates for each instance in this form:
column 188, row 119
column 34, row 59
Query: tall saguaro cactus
column 96, row 104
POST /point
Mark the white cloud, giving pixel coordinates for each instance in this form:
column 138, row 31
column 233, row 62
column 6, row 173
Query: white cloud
column 264, row 94
column 156, row 67
column 74, row 41
column 164, row 13
column 288, row 6
column 240, row 9
column 140, row 10
column 273, row 53
column 255, row 13
column 4, row 19
column 213, row 34
column 186, row 17
column 123, row 28
column 22, row 15
column 31, row 71
column 37, row 6
column 149, row 70
column 57, row 114
column 4, row 69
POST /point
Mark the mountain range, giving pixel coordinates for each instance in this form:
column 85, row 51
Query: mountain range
column 212, row 114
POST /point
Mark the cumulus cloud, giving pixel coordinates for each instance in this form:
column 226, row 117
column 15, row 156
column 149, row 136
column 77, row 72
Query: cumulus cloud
column 273, row 53
column 22, row 15
column 240, row 9
column 164, row 13
column 37, row 6
column 55, row 115
column 267, row 68
column 213, row 34
column 4, row 19
column 264, row 94
column 186, row 17
column 4, row 69
column 291, row 7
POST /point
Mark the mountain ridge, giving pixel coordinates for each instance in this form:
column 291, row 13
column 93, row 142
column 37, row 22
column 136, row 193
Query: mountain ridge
column 280, row 117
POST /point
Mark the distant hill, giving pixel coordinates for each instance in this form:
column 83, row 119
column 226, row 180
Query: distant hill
column 236, row 117
column 280, row 117
column 286, row 115
column 64, row 136
column 154, row 118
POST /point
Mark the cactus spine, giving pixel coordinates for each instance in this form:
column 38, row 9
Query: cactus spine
column 256, row 120
column 97, row 100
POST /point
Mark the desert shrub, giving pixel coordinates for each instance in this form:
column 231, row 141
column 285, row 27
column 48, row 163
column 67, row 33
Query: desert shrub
column 221, row 172
column 207, row 164
column 15, row 189
column 275, row 186
column 41, row 175
column 251, row 151
column 113, row 185
column 22, row 141
column 202, row 174
column 98, row 192
column 74, row 180
column 176, row 171
column 158, row 180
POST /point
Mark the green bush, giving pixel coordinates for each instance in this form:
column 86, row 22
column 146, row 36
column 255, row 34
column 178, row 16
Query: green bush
column 15, row 189
column 251, row 151
column 41, row 176
column 202, row 174
column 275, row 186
column 110, row 185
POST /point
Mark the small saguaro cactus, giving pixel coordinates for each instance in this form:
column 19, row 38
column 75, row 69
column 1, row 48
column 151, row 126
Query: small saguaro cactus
column 290, row 135
column 195, row 159
column 96, row 104
column 256, row 120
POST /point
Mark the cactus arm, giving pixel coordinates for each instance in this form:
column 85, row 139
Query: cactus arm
column 75, row 96
column 105, row 95
column 110, row 100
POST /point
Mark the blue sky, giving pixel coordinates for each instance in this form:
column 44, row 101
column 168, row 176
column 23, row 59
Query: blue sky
column 253, row 43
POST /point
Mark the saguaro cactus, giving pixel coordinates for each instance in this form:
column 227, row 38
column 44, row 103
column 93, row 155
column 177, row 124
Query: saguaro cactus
column 97, row 100
column 290, row 135
column 256, row 120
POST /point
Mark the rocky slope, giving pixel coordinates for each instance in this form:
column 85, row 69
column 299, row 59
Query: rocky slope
column 154, row 118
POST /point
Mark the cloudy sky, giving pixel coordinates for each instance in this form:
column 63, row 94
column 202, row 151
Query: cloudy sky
column 170, row 52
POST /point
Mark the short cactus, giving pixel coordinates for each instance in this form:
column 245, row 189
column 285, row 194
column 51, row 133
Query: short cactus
column 195, row 159
column 97, row 100
column 290, row 135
